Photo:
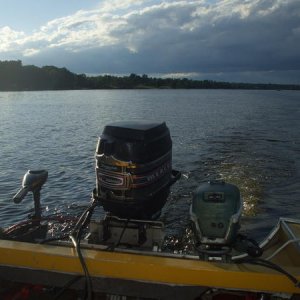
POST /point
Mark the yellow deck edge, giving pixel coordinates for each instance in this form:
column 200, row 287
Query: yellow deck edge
column 177, row 271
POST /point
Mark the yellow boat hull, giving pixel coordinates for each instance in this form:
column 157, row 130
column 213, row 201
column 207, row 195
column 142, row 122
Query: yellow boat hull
column 157, row 268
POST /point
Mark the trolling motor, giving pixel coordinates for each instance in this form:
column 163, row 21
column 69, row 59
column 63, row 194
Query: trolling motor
column 32, row 229
column 32, row 182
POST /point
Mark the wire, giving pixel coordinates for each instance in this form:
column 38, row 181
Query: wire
column 113, row 246
column 63, row 237
column 60, row 219
column 122, row 233
column 270, row 265
column 76, row 240
column 19, row 225
column 45, row 218
column 88, row 282
column 75, row 237
column 66, row 286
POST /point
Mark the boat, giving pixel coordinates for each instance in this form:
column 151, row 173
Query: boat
column 123, row 254
column 158, row 275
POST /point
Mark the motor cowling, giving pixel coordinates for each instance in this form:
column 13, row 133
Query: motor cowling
column 215, row 213
column 133, row 168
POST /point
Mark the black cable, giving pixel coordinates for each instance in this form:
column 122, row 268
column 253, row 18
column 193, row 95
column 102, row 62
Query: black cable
column 122, row 233
column 76, row 239
column 270, row 265
column 84, row 215
column 279, row 269
column 88, row 282
column 78, row 223
column 78, row 229
column 113, row 246
column 66, row 286
column 63, row 237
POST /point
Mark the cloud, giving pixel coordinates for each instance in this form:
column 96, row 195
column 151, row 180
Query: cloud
column 30, row 52
column 173, row 37
column 181, row 75
column 9, row 38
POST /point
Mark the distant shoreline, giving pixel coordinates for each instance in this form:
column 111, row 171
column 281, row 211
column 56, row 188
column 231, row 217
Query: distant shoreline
column 16, row 77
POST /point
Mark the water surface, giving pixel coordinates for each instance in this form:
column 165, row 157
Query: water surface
column 249, row 138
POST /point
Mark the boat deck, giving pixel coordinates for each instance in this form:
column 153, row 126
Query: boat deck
column 56, row 264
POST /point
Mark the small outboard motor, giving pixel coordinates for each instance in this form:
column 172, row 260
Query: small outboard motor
column 134, row 169
column 215, row 212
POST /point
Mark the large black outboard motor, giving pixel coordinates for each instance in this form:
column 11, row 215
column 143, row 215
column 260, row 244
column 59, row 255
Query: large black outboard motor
column 134, row 168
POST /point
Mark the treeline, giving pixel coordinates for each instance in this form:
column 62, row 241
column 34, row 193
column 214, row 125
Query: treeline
column 16, row 77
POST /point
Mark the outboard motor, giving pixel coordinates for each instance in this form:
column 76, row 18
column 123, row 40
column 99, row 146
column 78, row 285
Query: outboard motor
column 134, row 169
column 215, row 212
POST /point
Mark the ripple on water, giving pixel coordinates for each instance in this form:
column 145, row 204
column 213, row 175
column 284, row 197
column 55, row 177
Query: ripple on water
column 249, row 138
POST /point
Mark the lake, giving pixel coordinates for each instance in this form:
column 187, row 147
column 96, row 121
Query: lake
column 246, row 137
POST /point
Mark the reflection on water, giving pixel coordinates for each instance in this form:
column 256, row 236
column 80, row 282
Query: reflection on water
column 248, row 138
column 248, row 182
column 265, row 170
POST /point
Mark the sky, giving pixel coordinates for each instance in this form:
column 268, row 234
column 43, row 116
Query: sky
column 223, row 40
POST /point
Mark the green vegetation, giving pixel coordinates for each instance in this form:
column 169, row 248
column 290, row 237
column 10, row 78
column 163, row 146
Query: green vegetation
column 16, row 77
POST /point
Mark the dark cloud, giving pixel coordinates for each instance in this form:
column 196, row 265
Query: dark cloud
column 228, row 39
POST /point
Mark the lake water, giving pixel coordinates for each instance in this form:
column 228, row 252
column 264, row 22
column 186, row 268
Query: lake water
column 249, row 138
